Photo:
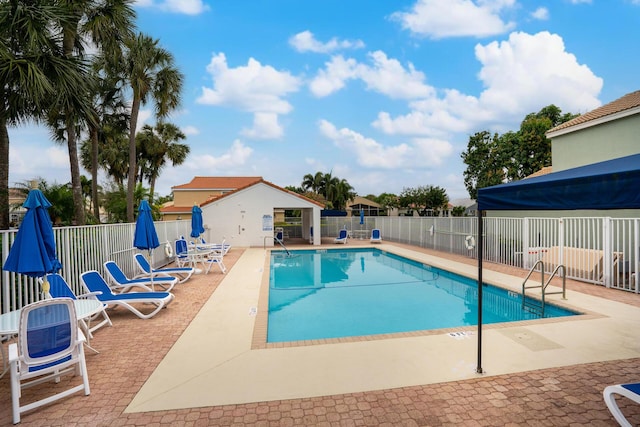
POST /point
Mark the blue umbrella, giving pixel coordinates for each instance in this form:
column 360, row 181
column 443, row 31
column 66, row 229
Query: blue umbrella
column 33, row 252
column 361, row 216
column 196, row 222
column 145, row 236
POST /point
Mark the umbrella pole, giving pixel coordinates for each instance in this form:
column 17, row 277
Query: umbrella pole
column 150, row 270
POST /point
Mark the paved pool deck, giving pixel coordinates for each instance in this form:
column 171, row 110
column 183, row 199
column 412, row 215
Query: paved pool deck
column 199, row 363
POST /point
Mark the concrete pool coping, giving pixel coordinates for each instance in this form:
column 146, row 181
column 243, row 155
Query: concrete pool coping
column 215, row 362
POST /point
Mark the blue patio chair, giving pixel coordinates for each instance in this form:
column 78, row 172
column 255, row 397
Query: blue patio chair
column 59, row 288
column 49, row 346
column 121, row 283
column 630, row 391
column 376, row 237
column 342, row 237
column 94, row 282
column 181, row 257
column 184, row 273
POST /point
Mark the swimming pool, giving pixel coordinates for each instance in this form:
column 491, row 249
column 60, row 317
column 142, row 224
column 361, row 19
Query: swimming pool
column 327, row 293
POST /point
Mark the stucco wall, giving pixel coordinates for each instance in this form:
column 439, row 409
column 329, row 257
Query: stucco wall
column 238, row 218
column 595, row 144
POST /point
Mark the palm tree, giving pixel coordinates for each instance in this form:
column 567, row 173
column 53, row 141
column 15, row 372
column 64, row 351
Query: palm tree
column 151, row 74
column 34, row 72
column 159, row 145
column 106, row 24
column 313, row 182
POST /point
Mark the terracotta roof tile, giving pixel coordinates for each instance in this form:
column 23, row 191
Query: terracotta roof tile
column 218, row 183
column 629, row 101
column 545, row 170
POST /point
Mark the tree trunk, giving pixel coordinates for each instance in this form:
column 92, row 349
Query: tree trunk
column 4, row 173
column 94, row 173
column 131, row 182
column 76, row 185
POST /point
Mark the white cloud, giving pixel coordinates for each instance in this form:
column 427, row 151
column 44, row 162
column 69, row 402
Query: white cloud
column 190, row 130
column 521, row 75
column 265, row 126
column 333, row 77
column 237, row 155
column 306, row 42
column 455, row 18
column 384, row 75
column 143, row 117
column 372, row 154
column 253, row 88
column 541, row 13
column 187, row 7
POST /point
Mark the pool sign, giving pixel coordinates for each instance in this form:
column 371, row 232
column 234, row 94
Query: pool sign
column 267, row 222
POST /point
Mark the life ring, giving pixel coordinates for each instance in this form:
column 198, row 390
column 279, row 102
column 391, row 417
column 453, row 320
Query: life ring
column 168, row 250
column 470, row 242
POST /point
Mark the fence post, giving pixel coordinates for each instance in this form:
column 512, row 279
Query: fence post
column 607, row 249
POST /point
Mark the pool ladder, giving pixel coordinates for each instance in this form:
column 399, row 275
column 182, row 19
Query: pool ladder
column 537, row 306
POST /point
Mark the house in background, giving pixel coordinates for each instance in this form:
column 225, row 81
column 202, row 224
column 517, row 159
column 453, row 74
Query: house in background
column 245, row 216
column 199, row 190
column 369, row 207
column 609, row 132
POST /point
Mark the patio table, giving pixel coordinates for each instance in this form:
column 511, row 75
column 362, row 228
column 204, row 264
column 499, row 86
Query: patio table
column 10, row 322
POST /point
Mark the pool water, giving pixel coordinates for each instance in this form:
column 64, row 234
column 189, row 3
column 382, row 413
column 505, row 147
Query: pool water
column 321, row 294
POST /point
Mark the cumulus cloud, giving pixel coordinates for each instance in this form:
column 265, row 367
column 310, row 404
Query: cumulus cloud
column 190, row 130
column 541, row 13
column 265, row 126
column 306, row 42
column 384, row 75
column 521, row 75
column 236, row 155
column 186, row 7
column 372, row 154
column 438, row 19
column 254, row 88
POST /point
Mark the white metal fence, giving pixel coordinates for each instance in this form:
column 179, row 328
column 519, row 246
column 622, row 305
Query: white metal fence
column 81, row 249
column 603, row 251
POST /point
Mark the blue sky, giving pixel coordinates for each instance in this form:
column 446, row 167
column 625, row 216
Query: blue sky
column 384, row 94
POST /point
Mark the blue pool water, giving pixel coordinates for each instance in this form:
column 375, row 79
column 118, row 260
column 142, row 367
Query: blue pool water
column 316, row 294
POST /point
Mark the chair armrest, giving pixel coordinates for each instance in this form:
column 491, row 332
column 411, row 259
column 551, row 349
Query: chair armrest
column 89, row 294
column 13, row 352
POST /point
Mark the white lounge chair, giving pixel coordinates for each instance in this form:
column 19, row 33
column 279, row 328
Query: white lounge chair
column 376, row 237
column 49, row 346
column 342, row 237
column 184, row 273
column 121, row 283
column 630, row 391
column 96, row 284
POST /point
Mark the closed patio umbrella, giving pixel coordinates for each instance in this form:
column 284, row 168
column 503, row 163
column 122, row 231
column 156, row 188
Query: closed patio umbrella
column 196, row 222
column 33, row 252
column 145, row 236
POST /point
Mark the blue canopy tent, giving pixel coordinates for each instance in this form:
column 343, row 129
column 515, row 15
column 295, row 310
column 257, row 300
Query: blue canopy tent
column 612, row 184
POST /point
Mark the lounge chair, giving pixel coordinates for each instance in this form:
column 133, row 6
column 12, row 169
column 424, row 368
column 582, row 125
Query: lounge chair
column 342, row 237
column 96, row 284
column 376, row 237
column 278, row 237
column 49, row 345
column 121, row 283
column 631, row 391
column 59, row 288
column 184, row 273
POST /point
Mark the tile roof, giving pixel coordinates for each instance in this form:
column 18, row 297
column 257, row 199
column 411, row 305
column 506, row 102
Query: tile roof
column 627, row 102
column 217, row 197
column 218, row 183
column 545, row 170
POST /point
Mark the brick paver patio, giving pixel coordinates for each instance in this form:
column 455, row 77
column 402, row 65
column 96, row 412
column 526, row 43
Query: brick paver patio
column 132, row 348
